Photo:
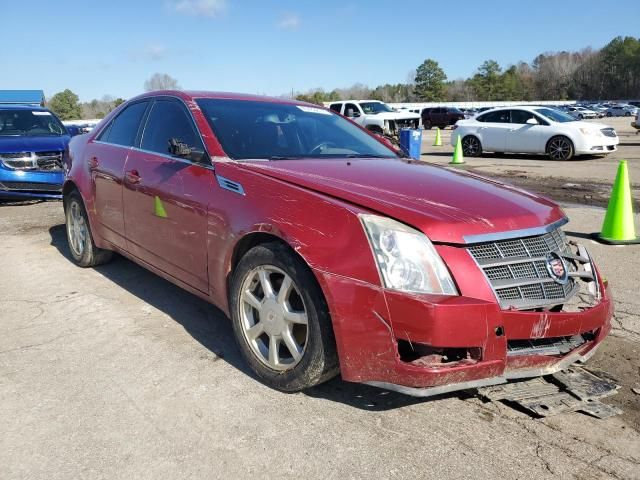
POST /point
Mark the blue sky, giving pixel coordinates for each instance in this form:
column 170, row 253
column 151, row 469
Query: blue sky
column 274, row 46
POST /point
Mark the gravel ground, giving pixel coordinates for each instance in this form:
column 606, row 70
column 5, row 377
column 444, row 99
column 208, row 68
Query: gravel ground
column 115, row 373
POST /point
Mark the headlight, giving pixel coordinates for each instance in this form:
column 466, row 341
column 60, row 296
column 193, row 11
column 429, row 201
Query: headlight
column 406, row 258
column 590, row 132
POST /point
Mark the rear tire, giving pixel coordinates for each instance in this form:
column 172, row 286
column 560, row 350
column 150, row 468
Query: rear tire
column 560, row 148
column 286, row 337
column 426, row 125
column 471, row 146
column 81, row 244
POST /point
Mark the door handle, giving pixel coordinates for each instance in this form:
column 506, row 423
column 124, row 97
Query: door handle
column 93, row 163
column 132, row 176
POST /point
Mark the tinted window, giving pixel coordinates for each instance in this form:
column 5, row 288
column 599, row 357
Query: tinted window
column 500, row 116
column 336, row 107
column 124, row 128
column 352, row 106
column 521, row 116
column 169, row 120
column 277, row 131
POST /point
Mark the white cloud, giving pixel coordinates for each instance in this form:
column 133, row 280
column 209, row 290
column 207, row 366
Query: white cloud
column 151, row 51
column 289, row 21
column 207, row 8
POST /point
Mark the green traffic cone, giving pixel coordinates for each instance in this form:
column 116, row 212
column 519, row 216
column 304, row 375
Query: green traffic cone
column 438, row 141
column 158, row 208
column 458, row 157
column 618, row 227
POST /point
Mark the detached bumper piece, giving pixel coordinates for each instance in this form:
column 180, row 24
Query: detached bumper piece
column 571, row 390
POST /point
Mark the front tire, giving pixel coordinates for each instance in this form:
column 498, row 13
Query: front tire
column 560, row 148
column 81, row 244
column 471, row 146
column 281, row 320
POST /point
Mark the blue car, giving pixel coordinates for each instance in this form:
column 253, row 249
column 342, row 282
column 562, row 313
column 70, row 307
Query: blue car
column 32, row 140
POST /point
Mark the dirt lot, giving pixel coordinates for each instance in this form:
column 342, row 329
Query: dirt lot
column 585, row 180
column 115, row 373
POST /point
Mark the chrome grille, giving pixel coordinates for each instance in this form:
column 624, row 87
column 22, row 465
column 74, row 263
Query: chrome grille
column 517, row 270
column 50, row 160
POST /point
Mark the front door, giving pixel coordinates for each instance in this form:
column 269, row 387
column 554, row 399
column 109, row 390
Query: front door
column 523, row 137
column 166, row 196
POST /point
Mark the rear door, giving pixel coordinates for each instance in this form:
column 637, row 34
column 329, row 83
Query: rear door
column 166, row 195
column 106, row 157
column 523, row 137
column 493, row 131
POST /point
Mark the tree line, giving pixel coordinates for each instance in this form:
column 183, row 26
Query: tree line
column 610, row 73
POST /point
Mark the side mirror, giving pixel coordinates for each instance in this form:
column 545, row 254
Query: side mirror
column 178, row 148
column 532, row 121
column 351, row 113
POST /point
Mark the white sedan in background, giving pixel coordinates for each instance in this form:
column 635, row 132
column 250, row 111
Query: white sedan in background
column 581, row 112
column 540, row 130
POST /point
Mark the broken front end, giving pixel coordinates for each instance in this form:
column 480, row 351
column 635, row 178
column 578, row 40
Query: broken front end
column 530, row 303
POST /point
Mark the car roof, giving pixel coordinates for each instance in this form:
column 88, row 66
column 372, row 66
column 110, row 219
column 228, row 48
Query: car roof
column 8, row 106
column 198, row 94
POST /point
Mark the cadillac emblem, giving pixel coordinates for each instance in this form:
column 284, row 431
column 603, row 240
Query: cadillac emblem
column 557, row 268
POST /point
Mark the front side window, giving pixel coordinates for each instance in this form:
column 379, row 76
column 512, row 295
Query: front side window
column 521, row 116
column 168, row 124
column 123, row 129
column 351, row 110
column 264, row 130
column 555, row 115
column 499, row 116
column 32, row 123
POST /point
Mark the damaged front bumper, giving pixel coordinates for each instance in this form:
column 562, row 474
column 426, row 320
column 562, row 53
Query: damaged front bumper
column 423, row 345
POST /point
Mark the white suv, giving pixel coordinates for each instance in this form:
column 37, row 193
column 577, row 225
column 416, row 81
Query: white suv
column 376, row 116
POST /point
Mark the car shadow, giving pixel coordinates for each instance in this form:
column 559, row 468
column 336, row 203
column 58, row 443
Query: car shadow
column 5, row 202
column 212, row 329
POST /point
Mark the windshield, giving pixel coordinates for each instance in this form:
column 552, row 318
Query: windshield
column 275, row 131
column 31, row 123
column 375, row 107
column 555, row 115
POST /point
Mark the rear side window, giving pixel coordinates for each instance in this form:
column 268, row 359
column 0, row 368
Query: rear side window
column 168, row 120
column 336, row 107
column 501, row 116
column 123, row 130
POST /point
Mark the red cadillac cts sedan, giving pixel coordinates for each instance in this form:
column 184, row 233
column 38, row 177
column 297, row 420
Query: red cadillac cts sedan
column 329, row 251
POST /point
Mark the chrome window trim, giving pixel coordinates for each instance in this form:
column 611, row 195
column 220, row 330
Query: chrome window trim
column 525, row 232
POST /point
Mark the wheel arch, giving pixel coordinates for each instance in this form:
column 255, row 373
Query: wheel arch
column 254, row 239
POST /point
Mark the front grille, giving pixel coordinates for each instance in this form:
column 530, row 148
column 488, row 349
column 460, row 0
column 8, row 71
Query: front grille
column 47, row 161
column 608, row 132
column 32, row 187
column 518, row 270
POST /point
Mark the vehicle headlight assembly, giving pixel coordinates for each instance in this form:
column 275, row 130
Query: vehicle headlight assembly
column 406, row 259
column 590, row 132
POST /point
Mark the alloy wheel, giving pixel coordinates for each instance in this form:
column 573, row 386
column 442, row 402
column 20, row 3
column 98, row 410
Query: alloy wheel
column 76, row 229
column 273, row 317
column 471, row 146
column 559, row 149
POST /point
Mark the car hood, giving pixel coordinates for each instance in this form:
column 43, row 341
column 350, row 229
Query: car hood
column 32, row 144
column 396, row 115
column 447, row 205
column 589, row 125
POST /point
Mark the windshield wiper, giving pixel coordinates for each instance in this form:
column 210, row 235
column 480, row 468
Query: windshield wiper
column 284, row 157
